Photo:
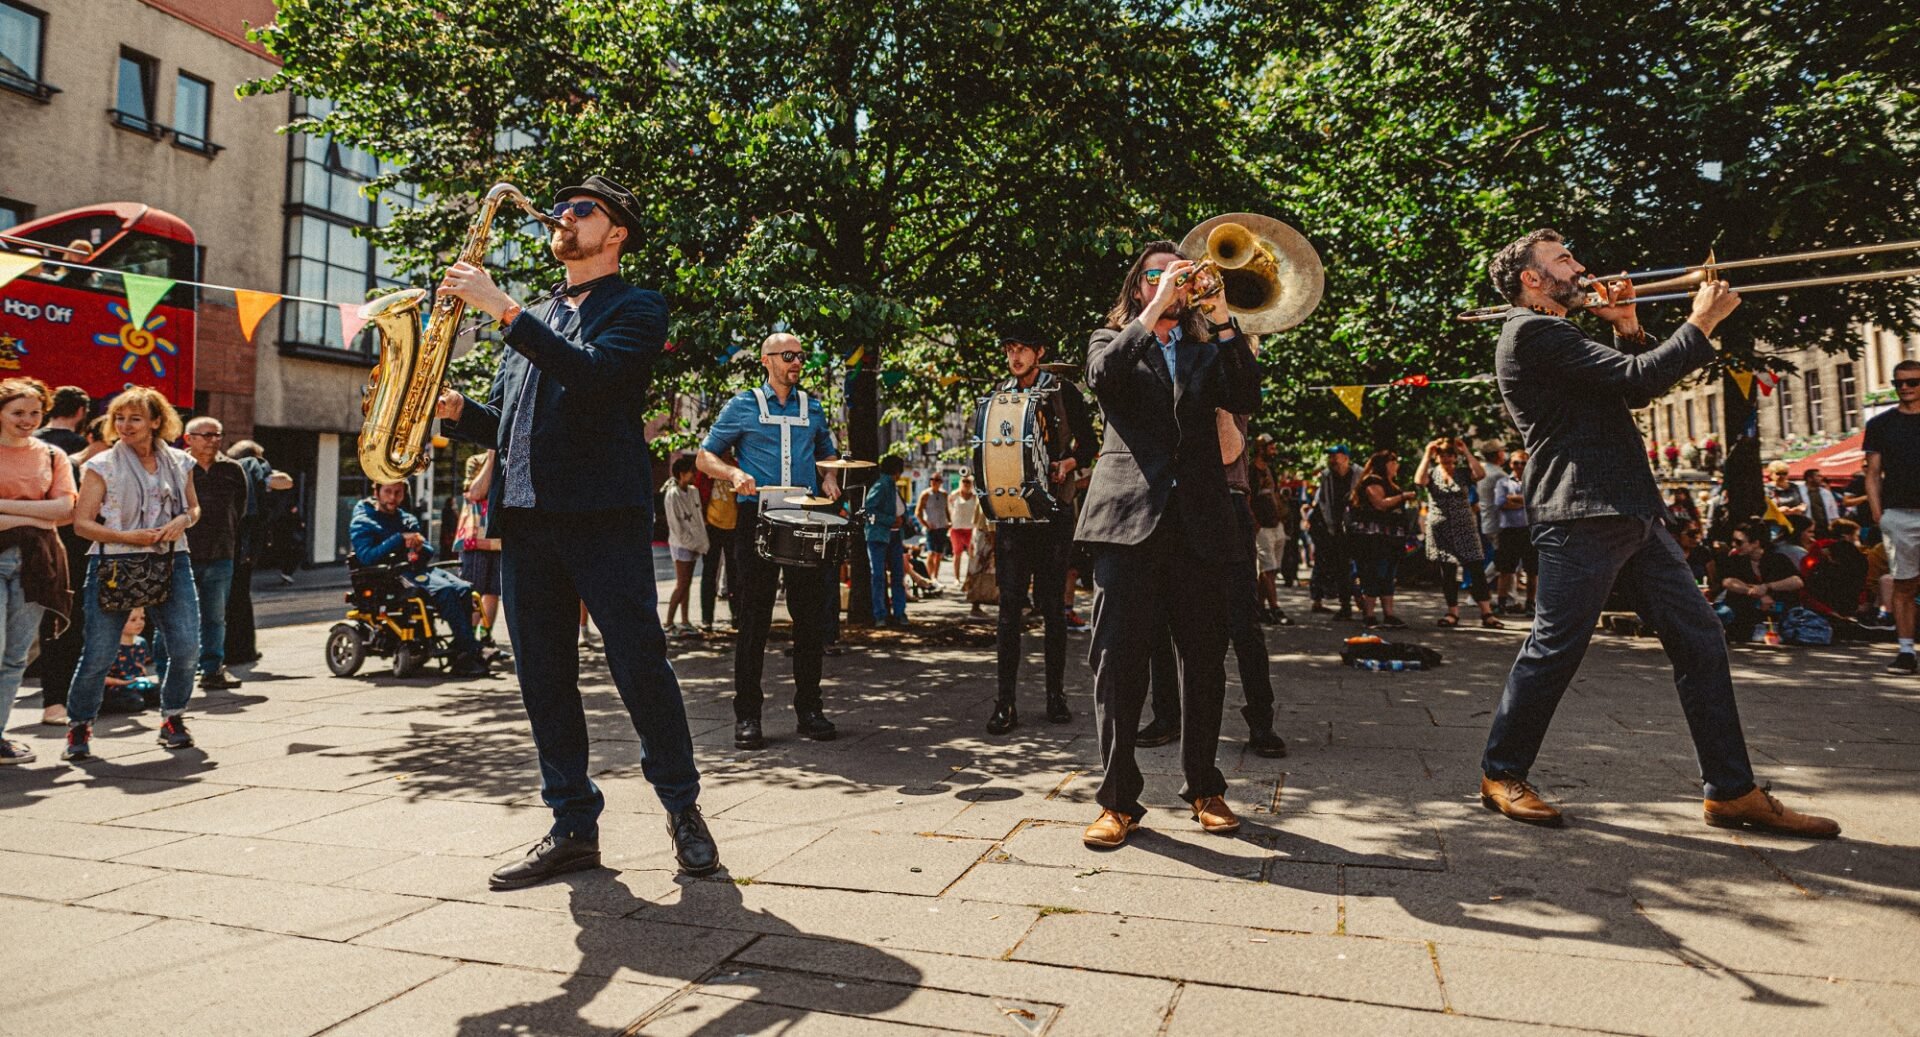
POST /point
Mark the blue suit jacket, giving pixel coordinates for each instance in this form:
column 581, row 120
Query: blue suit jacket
column 588, row 448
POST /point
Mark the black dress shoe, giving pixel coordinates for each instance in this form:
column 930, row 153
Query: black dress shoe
column 1005, row 718
column 1157, row 732
column 556, row 855
column 470, row 664
column 746, row 735
column 1265, row 743
column 693, row 847
column 1057, row 711
column 815, row 725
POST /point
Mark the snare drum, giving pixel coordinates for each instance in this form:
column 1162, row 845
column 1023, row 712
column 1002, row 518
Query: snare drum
column 1010, row 456
column 809, row 539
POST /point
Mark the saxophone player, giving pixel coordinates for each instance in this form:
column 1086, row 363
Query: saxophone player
column 565, row 415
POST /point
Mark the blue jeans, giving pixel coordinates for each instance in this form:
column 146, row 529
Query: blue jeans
column 177, row 620
column 17, row 631
column 452, row 598
column 215, row 582
column 1580, row 562
column 888, row 559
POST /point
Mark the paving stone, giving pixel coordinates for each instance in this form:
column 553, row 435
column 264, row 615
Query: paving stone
column 424, row 826
column 489, row 999
column 870, row 809
column 214, row 980
column 886, row 921
column 322, row 912
column 1373, row 842
column 1209, row 1011
column 881, row 861
column 33, row 953
column 859, row 997
column 586, row 944
column 605, row 891
column 1791, row 933
column 97, row 795
column 68, row 839
column 1324, row 966
column 1179, row 849
column 324, row 769
column 747, row 848
column 699, row 1014
column 263, row 858
column 252, row 811
column 1565, row 911
column 1295, row 907
column 64, row 878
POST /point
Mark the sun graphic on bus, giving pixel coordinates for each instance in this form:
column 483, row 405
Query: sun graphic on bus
column 139, row 343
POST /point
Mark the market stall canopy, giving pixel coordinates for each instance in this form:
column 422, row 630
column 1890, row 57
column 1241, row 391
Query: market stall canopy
column 1837, row 463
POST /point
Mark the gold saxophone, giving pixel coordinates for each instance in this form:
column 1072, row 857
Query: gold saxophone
column 397, row 404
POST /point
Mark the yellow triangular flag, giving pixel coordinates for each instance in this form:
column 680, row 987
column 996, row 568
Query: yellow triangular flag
column 1351, row 395
column 1743, row 379
column 253, row 306
column 854, row 360
column 12, row 266
column 1775, row 515
column 143, row 291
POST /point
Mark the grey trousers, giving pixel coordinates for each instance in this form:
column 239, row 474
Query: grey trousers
column 1580, row 561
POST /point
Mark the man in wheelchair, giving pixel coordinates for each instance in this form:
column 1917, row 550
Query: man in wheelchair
column 383, row 534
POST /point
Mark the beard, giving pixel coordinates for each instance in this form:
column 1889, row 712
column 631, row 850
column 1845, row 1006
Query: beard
column 566, row 245
column 1563, row 293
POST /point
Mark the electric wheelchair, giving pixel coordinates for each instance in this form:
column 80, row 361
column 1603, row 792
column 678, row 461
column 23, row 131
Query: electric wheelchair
column 387, row 616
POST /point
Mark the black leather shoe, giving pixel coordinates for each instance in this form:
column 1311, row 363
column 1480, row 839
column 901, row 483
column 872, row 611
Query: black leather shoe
column 556, row 855
column 746, row 735
column 816, row 726
column 1057, row 711
column 470, row 664
column 1005, row 718
column 693, row 847
column 1265, row 743
column 1157, row 732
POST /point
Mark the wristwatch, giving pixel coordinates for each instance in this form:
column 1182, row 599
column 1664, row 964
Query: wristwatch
column 508, row 315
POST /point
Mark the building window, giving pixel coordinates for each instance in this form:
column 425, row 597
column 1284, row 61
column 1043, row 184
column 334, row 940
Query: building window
column 1849, row 398
column 1688, row 404
column 192, row 97
column 13, row 214
column 1670, row 426
column 23, row 35
column 1712, row 403
column 1786, row 407
column 328, row 253
column 133, row 101
column 1816, row 406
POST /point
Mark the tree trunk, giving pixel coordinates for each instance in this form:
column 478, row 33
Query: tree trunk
column 863, row 443
column 1741, row 474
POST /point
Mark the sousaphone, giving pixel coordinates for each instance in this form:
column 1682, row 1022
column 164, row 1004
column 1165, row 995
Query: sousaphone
column 1271, row 276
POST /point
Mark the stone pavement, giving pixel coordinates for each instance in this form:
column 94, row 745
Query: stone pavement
column 318, row 864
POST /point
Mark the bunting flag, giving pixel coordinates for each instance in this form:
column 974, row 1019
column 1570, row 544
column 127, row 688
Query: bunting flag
column 892, row 379
column 1766, row 383
column 12, row 266
column 1418, row 381
column 143, row 291
column 350, row 322
column 1744, row 380
column 853, row 362
column 1775, row 515
column 253, row 306
column 1351, row 395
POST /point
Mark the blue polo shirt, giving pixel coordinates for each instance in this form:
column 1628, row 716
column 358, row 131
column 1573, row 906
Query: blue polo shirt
column 755, row 438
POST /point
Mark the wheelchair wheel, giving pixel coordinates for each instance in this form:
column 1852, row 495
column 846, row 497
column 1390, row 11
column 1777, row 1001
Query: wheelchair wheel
column 410, row 658
column 346, row 649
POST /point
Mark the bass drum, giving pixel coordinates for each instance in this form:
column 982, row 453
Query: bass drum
column 808, row 539
column 1010, row 463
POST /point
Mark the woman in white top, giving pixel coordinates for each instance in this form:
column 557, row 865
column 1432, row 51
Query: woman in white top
column 686, row 541
column 137, row 500
column 963, row 505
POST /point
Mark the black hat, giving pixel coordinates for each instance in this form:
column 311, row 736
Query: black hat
column 1022, row 332
column 621, row 205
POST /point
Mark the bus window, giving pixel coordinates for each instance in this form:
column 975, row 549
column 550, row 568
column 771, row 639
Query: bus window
column 145, row 254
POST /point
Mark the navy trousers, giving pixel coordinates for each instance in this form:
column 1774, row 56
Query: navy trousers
column 1244, row 632
column 550, row 563
column 1030, row 565
column 1580, row 562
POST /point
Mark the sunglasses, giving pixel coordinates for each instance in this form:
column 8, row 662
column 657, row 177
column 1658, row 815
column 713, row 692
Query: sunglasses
column 580, row 209
column 786, row 357
column 1152, row 276
column 1906, row 383
column 1741, row 541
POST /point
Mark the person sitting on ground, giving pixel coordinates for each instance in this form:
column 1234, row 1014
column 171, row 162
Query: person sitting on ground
column 1758, row 584
column 382, row 533
column 129, row 688
column 1836, row 572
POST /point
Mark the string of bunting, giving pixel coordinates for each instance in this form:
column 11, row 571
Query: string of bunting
column 1354, row 396
column 144, row 291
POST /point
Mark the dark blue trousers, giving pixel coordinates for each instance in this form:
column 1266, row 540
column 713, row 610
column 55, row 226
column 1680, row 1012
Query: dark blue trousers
column 1580, row 561
column 550, row 563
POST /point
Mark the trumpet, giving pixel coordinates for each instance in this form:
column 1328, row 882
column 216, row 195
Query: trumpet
column 1670, row 284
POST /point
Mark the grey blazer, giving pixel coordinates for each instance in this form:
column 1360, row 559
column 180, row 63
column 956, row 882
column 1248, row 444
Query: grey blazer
column 1160, row 430
column 1573, row 400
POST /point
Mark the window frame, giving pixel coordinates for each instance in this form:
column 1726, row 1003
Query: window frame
column 24, row 210
column 145, row 124
column 1787, row 407
column 37, row 88
column 203, row 143
column 1816, row 405
column 1849, row 384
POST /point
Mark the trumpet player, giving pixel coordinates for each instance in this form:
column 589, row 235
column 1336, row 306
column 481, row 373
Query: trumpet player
column 565, row 414
column 1597, row 516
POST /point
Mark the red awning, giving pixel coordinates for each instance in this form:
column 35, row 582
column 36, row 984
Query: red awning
column 1837, row 463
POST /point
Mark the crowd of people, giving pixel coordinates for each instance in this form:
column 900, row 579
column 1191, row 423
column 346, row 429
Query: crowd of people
column 108, row 530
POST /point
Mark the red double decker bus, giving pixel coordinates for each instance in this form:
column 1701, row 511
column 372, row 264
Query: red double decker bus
column 72, row 327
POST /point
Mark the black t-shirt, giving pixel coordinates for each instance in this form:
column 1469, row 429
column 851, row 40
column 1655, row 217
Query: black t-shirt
column 1698, row 559
column 1773, row 567
column 1896, row 438
column 64, row 439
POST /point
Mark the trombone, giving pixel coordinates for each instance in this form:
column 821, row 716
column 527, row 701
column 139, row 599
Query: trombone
column 1669, row 284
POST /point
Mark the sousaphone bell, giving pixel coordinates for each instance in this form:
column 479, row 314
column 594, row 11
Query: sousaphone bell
column 1270, row 274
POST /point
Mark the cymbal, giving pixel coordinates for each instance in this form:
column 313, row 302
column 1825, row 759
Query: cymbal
column 809, row 502
column 845, row 462
column 1066, row 369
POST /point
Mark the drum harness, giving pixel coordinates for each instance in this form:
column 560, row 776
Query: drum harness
column 786, row 424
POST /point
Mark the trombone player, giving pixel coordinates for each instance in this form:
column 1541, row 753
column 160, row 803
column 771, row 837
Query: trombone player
column 566, row 415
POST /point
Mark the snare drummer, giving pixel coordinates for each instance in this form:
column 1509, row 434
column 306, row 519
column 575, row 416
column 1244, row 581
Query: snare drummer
column 778, row 434
column 1030, row 558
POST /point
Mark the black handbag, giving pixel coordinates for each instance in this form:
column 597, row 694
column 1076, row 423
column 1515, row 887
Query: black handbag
column 136, row 581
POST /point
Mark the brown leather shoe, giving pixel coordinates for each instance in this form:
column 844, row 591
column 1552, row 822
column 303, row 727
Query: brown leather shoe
column 1214, row 815
column 1517, row 800
column 1759, row 810
column 1110, row 830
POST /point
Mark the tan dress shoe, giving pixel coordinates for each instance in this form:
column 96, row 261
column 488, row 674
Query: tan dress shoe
column 1110, row 830
column 1517, row 800
column 1214, row 815
column 1759, row 810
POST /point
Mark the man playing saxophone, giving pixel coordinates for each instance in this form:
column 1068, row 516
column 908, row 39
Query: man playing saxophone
column 564, row 412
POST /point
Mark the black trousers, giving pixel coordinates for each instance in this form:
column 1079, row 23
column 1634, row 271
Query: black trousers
column 60, row 656
column 549, row 564
column 1476, row 582
column 1031, row 559
column 1141, row 591
column 755, row 583
column 1333, row 567
column 719, row 547
column 1244, row 633
column 241, row 636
